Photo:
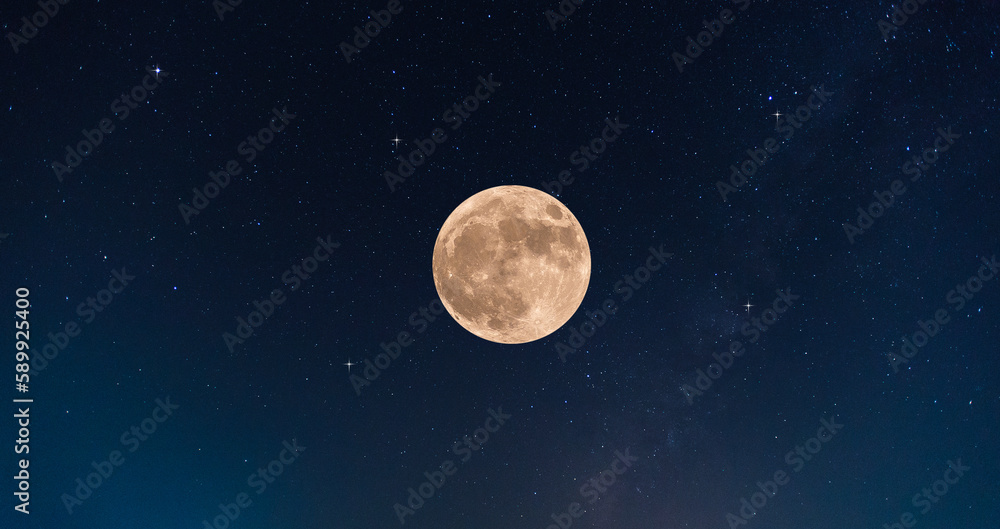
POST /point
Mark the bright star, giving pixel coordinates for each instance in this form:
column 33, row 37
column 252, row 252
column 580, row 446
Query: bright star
column 776, row 116
column 748, row 305
column 349, row 364
column 396, row 140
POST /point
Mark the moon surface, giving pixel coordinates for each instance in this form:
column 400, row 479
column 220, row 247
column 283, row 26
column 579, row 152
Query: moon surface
column 511, row 264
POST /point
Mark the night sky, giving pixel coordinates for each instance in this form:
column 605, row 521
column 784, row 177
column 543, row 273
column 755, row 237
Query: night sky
column 213, row 212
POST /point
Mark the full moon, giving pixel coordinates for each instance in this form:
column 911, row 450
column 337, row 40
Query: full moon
column 511, row 264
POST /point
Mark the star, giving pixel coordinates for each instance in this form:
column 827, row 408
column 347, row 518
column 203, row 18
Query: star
column 349, row 364
column 156, row 69
column 776, row 116
column 396, row 140
column 748, row 305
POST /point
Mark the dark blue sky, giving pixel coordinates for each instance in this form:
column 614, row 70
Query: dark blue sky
column 288, row 145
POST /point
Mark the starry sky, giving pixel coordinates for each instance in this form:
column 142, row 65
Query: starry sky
column 175, row 172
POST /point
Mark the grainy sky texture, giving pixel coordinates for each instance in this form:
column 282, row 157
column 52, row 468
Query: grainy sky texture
column 223, row 219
